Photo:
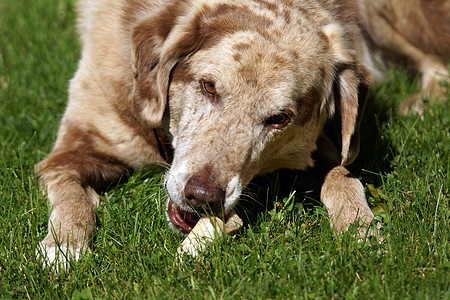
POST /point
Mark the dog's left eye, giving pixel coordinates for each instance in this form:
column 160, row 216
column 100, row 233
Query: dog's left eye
column 278, row 121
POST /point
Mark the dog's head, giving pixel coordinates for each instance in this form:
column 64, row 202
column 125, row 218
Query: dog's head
column 249, row 88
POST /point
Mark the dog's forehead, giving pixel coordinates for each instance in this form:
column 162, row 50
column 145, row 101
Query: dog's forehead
column 245, row 62
column 274, row 49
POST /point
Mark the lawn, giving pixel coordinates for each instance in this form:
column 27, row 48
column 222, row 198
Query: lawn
column 286, row 250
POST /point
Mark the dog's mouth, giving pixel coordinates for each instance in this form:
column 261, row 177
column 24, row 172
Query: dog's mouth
column 182, row 220
column 185, row 220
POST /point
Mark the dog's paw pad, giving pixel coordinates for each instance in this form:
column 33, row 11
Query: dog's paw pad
column 58, row 258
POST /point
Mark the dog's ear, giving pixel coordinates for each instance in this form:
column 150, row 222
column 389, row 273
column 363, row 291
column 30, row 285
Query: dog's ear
column 350, row 89
column 148, row 100
column 158, row 44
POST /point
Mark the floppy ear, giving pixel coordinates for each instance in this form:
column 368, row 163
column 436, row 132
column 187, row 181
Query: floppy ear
column 148, row 101
column 351, row 86
column 153, row 58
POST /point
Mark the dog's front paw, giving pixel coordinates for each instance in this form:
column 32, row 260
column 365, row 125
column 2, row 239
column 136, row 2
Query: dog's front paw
column 59, row 257
column 345, row 201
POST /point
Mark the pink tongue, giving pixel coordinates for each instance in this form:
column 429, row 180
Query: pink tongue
column 182, row 220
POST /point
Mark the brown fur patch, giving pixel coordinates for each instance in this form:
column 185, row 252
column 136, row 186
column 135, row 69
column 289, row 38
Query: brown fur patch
column 90, row 166
column 214, row 24
column 182, row 73
column 308, row 105
column 278, row 10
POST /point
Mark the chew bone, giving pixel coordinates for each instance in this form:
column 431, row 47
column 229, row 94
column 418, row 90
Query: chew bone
column 233, row 223
column 206, row 230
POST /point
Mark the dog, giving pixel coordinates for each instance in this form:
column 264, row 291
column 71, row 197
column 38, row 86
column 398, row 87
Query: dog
column 417, row 31
column 219, row 90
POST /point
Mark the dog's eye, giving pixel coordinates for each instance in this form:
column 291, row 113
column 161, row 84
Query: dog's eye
column 209, row 87
column 278, row 121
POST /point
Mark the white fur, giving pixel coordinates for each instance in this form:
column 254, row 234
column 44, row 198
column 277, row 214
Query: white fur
column 233, row 193
column 58, row 258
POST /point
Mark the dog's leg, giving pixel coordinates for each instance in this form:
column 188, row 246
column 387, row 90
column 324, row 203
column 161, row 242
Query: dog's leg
column 385, row 29
column 344, row 199
column 342, row 193
column 69, row 178
column 432, row 70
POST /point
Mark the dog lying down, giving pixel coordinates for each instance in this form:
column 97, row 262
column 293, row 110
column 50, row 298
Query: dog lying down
column 220, row 90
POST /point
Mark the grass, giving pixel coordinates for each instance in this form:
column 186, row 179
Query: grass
column 288, row 251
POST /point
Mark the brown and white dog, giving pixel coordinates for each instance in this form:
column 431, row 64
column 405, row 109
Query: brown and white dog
column 222, row 90
column 417, row 31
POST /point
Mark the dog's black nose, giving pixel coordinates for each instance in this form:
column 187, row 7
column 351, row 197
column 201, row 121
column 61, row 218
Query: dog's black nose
column 202, row 190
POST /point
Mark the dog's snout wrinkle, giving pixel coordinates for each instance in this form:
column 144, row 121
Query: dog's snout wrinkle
column 202, row 190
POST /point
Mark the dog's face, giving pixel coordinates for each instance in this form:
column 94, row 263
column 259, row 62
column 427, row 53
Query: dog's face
column 248, row 92
column 238, row 109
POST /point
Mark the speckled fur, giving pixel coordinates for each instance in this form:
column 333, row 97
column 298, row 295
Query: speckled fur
column 141, row 67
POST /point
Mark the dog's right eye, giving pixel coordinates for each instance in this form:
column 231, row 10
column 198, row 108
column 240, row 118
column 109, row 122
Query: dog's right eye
column 278, row 121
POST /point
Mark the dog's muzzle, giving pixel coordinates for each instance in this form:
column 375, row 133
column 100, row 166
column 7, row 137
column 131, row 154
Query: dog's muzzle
column 204, row 195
